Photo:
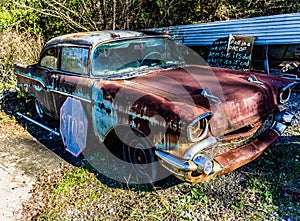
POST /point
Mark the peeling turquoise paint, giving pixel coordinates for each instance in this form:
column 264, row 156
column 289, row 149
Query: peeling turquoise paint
column 33, row 77
column 80, row 93
column 104, row 116
column 37, row 88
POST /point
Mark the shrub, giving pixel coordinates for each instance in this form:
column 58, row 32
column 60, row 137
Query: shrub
column 16, row 47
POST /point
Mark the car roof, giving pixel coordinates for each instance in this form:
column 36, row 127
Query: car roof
column 94, row 37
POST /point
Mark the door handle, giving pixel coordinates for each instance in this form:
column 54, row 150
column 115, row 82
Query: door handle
column 54, row 77
column 54, row 80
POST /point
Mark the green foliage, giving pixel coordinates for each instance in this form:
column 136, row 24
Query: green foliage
column 71, row 180
column 261, row 188
column 11, row 15
column 5, row 86
column 55, row 17
column 16, row 47
column 50, row 18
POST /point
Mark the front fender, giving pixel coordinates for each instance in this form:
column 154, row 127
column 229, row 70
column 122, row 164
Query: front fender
column 152, row 115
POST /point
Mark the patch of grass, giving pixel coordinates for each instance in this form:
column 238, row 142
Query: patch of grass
column 266, row 189
column 262, row 188
column 4, row 118
column 5, row 86
column 78, row 194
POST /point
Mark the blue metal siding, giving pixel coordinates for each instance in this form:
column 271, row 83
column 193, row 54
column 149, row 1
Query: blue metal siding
column 269, row 30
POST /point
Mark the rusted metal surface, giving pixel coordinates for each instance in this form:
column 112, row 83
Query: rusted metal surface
column 90, row 38
column 182, row 110
column 235, row 158
column 238, row 157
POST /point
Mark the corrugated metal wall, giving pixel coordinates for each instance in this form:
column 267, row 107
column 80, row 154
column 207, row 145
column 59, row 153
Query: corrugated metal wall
column 269, row 30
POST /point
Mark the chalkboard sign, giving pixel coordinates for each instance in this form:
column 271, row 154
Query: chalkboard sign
column 234, row 52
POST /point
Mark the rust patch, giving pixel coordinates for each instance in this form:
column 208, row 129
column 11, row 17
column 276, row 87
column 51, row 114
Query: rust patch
column 238, row 157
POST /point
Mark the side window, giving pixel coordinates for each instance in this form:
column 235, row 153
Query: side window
column 74, row 60
column 49, row 58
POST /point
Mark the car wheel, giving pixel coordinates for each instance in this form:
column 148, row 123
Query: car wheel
column 138, row 152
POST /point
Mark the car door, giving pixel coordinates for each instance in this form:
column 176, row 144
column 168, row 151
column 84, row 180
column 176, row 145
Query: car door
column 44, row 71
column 72, row 78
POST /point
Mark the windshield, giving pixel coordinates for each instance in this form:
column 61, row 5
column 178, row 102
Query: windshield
column 135, row 55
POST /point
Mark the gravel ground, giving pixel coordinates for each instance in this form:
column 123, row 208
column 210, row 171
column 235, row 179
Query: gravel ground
column 22, row 158
column 14, row 190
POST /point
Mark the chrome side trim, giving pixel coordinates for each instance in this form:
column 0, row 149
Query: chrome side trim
column 71, row 95
column 34, row 79
column 208, row 94
column 196, row 148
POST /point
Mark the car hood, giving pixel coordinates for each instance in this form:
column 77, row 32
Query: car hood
column 234, row 101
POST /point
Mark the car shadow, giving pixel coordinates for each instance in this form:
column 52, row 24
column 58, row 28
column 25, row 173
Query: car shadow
column 96, row 159
column 102, row 165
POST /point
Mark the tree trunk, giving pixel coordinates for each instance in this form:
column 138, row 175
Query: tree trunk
column 102, row 5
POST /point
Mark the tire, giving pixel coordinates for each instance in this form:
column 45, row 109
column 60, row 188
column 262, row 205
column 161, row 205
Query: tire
column 138, row 152
column 9, row 101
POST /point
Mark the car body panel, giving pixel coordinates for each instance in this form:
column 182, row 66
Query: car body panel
column 166, row 104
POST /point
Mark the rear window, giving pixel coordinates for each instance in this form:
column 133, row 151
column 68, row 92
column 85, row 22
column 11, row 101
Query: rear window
column 49, row 58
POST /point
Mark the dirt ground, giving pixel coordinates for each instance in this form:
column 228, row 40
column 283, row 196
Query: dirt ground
column 22, row 157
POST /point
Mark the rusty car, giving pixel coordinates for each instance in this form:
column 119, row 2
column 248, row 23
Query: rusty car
column 193, row 120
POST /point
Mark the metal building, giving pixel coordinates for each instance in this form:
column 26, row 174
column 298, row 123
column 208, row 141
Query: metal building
column 277, row 36
column 269, row 30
